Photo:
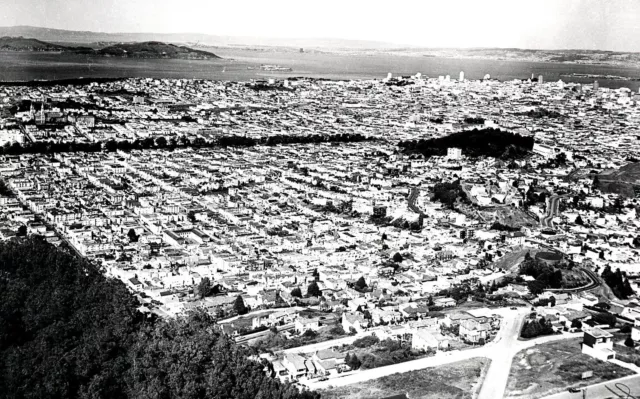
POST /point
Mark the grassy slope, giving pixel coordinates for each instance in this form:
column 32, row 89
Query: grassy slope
column 24, row 44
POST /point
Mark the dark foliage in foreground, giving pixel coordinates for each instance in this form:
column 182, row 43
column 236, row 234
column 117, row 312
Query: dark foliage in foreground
column 618, row 282
column 68, row 332
column 474, row 143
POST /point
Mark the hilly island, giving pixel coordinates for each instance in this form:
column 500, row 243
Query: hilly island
column 150, row 49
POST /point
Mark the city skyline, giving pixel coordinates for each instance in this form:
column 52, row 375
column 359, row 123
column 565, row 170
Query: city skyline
column 583, row 24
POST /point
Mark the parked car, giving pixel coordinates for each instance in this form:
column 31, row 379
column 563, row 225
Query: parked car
column 574, row 390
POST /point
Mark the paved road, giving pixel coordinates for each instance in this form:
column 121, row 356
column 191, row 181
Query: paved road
column 622, row 388
column 432, row 361
column 501, row 354
column 413, row 196
column 554, row 204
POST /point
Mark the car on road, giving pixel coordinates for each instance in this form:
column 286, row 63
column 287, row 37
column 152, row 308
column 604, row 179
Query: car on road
column 514, row 308
column 574, row 390
column 324, row 379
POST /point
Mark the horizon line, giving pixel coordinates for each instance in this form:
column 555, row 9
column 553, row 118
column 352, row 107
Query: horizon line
column 392, row 45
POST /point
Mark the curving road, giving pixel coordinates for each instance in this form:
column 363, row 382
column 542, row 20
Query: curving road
column 554, row 205
column 413, row 195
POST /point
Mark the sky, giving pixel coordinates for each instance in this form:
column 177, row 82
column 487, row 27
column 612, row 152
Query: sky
column 547, row 24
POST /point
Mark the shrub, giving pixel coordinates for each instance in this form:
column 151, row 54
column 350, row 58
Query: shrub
column 366, row 342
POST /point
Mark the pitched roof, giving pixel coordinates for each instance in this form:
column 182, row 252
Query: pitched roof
column 327, row 354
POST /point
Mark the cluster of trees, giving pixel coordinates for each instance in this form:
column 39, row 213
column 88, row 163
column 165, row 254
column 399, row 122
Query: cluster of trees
column 474, row 121
column 5, row 190
column 352, row 361
column 546, row 276
column 474, row 143
column 44, row 147
column 618, row 282
column 207, row 288
column 51, row 147
column 366, row 342
column 603, row 318
column 314, row 138
column 448, row 193
column 68, row 332
column 388, row 352
column 360, row 284
column 551, row 301
column 400, row 223
column 503, row 227
column 558, row 161
column 275, row 340
column 542, row 113
column 313, row 290
column 536, row 328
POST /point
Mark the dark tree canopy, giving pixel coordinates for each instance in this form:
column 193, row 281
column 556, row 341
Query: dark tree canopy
column 133, row 237
column 22, row 231
column 474, row 143
column 205, row 288
column 239, row 306
column 535, row 328
column 618, row 282
column 314, row 290
column 361, row 284
column 68, row 332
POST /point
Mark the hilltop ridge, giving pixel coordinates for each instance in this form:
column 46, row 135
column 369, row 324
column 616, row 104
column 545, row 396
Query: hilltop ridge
column 150, row 49
column 154, row 49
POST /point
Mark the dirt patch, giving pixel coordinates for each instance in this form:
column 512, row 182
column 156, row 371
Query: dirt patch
column 553, row 367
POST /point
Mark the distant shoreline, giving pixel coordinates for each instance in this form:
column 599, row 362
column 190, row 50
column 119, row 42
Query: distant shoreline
column 63, row 82
column 22, row 69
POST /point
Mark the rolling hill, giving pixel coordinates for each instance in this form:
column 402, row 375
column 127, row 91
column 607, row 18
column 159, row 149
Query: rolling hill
column 8, row 43
column 87, row 37
column 151, row 49
column 154, row 50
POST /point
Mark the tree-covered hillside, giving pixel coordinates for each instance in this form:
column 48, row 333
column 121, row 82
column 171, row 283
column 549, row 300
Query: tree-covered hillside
column 68, row 332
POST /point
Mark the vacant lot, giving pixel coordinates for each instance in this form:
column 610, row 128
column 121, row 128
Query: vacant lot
column 455, row 380
column 626, row 354
column 512, row 259
column 553, row 367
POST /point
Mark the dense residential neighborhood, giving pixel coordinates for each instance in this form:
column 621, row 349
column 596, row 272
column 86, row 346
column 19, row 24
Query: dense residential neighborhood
column 321, row 223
